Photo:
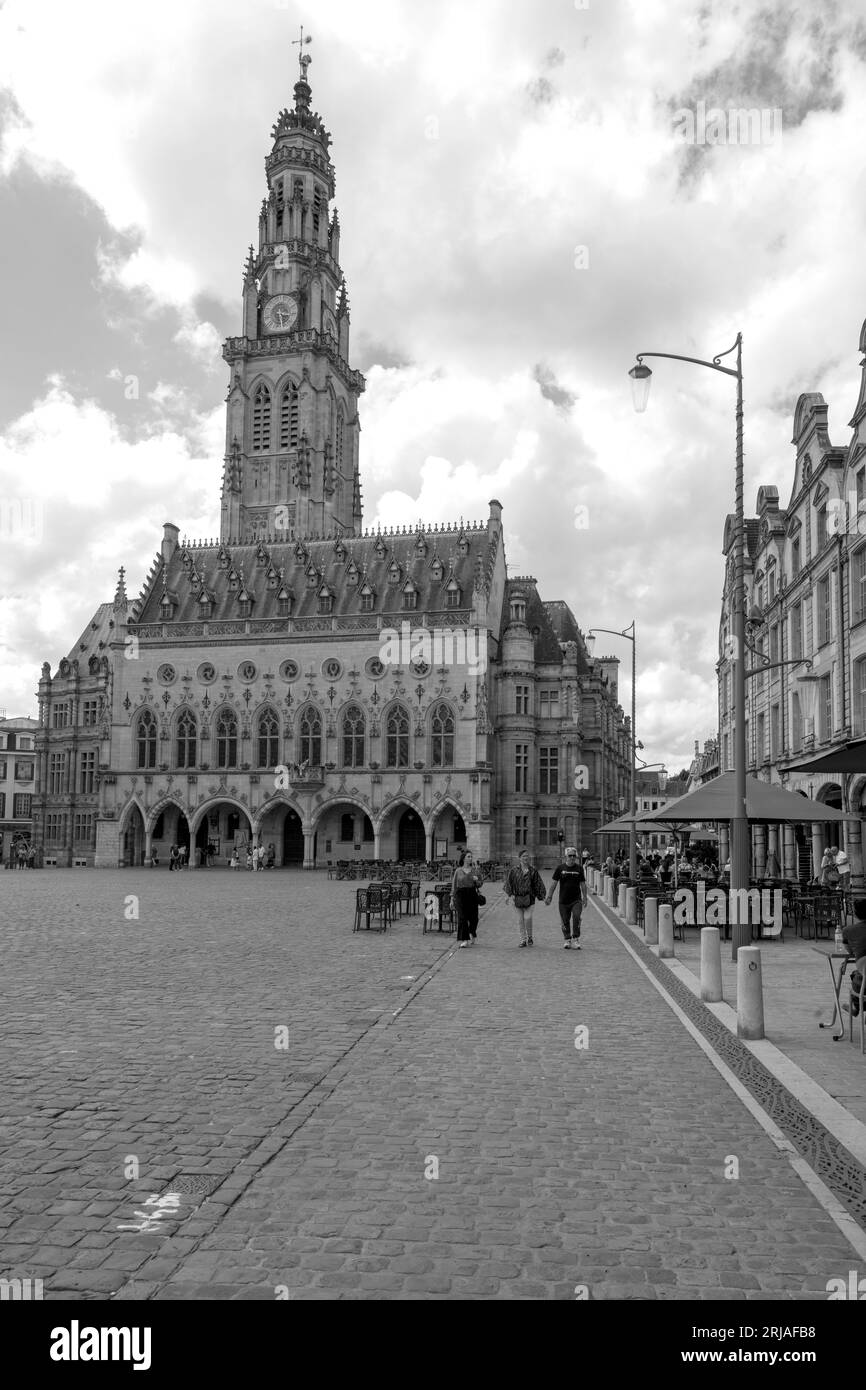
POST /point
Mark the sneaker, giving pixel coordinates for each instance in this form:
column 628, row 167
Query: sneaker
column 577, row 945
column 567, row 945
column 531, row 942
column 462, row 945
column 523, row 943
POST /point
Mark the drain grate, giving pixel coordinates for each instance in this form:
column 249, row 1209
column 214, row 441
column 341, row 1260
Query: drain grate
column 196, row 1184
column 841, row 1172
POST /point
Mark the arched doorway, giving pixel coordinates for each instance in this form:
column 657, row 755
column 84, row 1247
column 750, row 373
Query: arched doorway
column 293, row 838
column 225, row 827
column 410, row 836
column 170, row 827
column 133, row 839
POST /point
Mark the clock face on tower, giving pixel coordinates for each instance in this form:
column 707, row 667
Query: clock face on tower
column 281, row 314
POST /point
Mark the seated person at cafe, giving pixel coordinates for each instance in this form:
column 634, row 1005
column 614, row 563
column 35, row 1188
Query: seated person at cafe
column 854, row 935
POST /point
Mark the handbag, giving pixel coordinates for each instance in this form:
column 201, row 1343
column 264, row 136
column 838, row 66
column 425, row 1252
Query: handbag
column 482, row 901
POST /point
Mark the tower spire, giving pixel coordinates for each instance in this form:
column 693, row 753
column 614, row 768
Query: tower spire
column 302, row 86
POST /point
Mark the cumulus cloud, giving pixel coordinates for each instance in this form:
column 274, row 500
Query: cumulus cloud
column 518, row 220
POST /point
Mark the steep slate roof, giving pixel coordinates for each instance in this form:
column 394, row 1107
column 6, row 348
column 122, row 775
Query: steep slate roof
column 554, row 620
column 96, row 636
column 462, row 550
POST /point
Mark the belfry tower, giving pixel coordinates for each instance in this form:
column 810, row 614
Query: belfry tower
column 291, row 460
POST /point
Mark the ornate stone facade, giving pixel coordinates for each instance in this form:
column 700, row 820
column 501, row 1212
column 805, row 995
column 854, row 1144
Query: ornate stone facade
column 335, row 692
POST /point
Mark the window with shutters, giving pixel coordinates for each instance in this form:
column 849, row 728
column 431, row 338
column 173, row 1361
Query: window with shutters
column 397, row 741
column 289, row 418
column 261, row 419
column 311, row 738
column 227, row 739
column 442, row 736
column 269, row 739
column 354, row 727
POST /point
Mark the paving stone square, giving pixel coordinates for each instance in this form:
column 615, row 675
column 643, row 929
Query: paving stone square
column 426, row 1129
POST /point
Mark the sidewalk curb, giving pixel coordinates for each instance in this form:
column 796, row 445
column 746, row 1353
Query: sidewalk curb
column 844, row 1126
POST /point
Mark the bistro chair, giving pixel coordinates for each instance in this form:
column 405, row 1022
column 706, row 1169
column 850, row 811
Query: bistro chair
column 371, row 902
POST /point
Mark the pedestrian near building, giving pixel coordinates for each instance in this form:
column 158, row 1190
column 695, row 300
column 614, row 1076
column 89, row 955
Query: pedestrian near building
column 572, row 896
column 524, row 885
column 465, row 883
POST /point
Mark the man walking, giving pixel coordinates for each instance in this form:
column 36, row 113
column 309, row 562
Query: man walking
column 572, row 896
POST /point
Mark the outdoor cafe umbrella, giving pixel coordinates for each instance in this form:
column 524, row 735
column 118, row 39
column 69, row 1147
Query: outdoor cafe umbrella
column 765, row 804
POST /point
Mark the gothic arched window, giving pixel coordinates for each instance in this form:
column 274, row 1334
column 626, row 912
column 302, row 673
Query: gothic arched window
column 146, row 739
column 187, row 730
column 289, row 418
column 311, row 738
column 338, row 438
column 261, row 419
column 397, row 754
column 354, row 727
column 269, row 739
column 442, row 730
column 227, row 739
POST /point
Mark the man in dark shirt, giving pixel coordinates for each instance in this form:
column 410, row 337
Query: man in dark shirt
column 572, row 896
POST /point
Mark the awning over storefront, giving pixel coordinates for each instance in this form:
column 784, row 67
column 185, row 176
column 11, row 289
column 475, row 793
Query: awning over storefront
column 849, row 757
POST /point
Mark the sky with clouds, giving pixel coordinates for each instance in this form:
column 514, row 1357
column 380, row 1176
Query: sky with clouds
column 520, row 216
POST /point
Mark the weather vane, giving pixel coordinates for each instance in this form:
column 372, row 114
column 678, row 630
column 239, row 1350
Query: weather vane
column 304, row 59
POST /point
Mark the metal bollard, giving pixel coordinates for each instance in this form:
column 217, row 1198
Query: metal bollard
column 666, row 931
column 620, row 900
column 631, row 907
column 711, row 965
column 750, row 993
column 651, row 921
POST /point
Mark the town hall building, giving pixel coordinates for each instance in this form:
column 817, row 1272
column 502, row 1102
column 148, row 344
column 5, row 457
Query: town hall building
column 303, row 682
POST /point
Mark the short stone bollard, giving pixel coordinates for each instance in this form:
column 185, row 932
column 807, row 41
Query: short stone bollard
column 666, row 931
column 620, row 900
column 750, row 993
column 631, row 907
column 711, row 965
column 651, row 921
column 606, row 889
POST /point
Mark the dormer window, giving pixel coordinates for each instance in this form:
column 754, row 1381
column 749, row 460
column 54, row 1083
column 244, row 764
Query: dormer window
column 437, row 569
column 272, row 578
column 245, row 604
column 352, row 573
column 301, row 554
column 285, row 601
column 462, row 545
column 380, row 548
column 368, row 599
column 224, row 560
column 420, row 546
column 326, row 601
column 313, row 577
column 410, row 596
column 453, row 595
column 205, row 604
column 394, row 573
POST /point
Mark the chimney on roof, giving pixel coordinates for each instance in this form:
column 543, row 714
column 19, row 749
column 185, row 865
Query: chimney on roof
column 170, row 534
column 495, row 510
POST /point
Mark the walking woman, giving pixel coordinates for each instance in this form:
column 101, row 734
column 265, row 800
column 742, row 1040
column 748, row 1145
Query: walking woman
column 524, row 884
column 465, row 883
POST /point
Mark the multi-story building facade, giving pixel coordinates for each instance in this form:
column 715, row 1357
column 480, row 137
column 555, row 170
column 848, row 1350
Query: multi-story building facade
column 17, row 781
column 651, row 795
column 704, row 765
column 806, row 623
column 336, row 692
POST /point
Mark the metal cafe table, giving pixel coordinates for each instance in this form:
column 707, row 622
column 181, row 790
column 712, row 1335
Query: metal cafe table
column 442, row 894
column 838, row 959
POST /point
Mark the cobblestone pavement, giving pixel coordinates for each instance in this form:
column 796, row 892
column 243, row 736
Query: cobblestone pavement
column 160, row 1042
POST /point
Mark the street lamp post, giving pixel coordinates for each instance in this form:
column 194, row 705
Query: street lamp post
column 631, row 637
column 640, row 376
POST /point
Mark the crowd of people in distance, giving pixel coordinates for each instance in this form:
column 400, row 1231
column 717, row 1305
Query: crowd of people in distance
column 251, row 857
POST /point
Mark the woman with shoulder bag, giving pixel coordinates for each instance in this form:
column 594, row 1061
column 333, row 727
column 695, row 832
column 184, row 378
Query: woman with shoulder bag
column 523, row 884
column 465, row 883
